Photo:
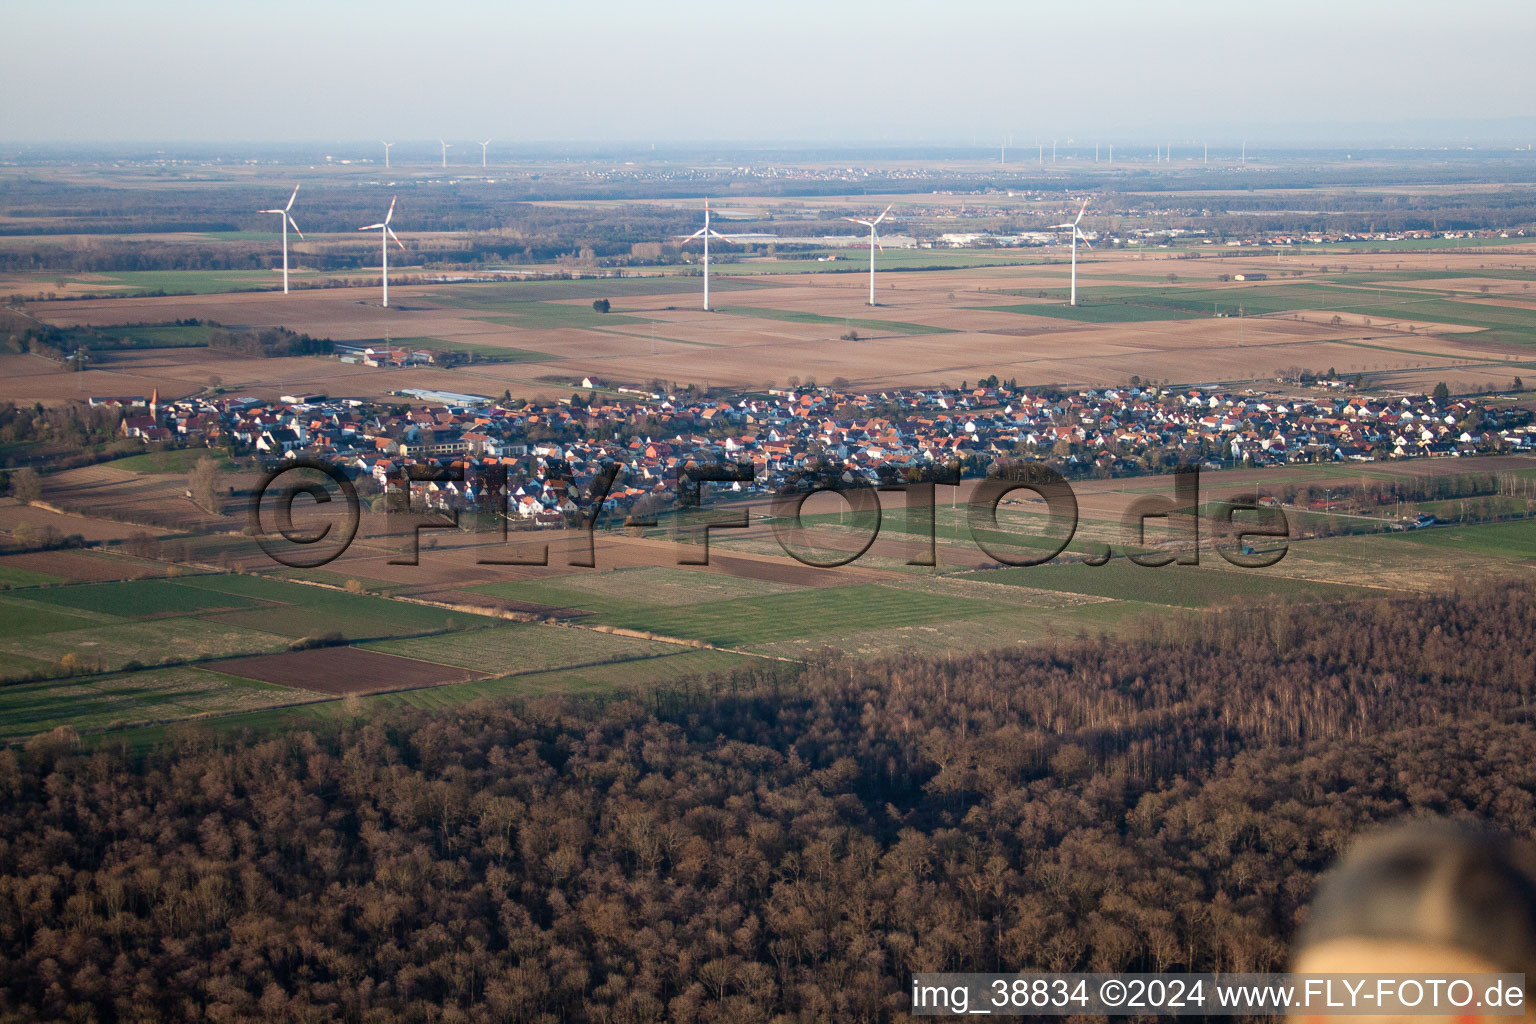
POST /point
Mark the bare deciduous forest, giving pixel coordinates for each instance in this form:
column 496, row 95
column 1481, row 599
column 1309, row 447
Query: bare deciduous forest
column 763, row 846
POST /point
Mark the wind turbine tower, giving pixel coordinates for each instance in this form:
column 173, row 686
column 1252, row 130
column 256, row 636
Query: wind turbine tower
column 487, row 142
column 706, row 232
column 385, row 234
column 386, row 146
column 446, row 148
column 1076, row 234
column 874, row 241
column 287, row 220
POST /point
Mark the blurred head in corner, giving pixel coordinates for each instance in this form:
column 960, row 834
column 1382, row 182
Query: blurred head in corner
column 1428, row 897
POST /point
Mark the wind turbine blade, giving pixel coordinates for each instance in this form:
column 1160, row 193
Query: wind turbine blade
column 1055, row 227
column 1080, row 213
column 688, row 238
column 1085, row 239
column 291, row 199
column 269, row 211
column 295, row 225
column 855, row 220
column 388, row 216
column 883, row 213
column 370, row 227
column 879, row 246
column 394, row 236
column 715, row 234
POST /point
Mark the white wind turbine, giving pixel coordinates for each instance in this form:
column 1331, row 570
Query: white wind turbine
column 386, row 146
column 1076, row 234
column 287, row 220
column 706, row 232
column 874, row 240
column 385, row 234
column 446, row 148
column 487, row 142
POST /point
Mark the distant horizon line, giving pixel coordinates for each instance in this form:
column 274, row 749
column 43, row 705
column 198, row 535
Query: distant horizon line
column 1514, row 142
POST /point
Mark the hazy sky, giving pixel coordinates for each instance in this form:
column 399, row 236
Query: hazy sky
column 709, row 70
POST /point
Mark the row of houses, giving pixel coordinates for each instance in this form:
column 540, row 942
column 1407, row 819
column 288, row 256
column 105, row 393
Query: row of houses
column 549, row 452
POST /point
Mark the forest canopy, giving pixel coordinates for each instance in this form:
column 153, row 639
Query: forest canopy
column 769, row 845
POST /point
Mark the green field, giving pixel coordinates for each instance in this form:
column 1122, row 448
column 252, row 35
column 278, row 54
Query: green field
column 101, row 702
column 495, row 353
column 175, row 460
column 1194, row 586
column 619, row 676
column 310, row 611
column 11, row 576
column 21, row 618
column 1514, row 541
column 162, row 335
column 620, row 590
column 17, row 666
column 855, row 260
column 522, row 647
column 137, row 598
column 549, row 316
column 1502, row 323
column 1099, row 312
column 509, row 297
column 197, row 282
column 794, row 316
column 757, row 620
column 148, row 642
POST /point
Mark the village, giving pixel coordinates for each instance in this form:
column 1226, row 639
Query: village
column 549, row 451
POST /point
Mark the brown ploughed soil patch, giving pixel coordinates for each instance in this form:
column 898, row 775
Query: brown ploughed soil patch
column 343, row 671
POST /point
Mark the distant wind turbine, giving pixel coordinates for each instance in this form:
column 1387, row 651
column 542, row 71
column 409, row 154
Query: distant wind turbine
column 1076, row 234
column 706, row 232
column 487, row 142
column 385, row 234
column 874, row 240
column 287, row 220
column 386, row 146
column 446, row 148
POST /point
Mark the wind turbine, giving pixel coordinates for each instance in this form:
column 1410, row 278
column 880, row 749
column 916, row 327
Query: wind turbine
column 386, row 146
column 1076, row 234
column 874, row 240
column 706, row 232
column 446, row 148
column 385, row 234
column 487, row 142
column 287, row 219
